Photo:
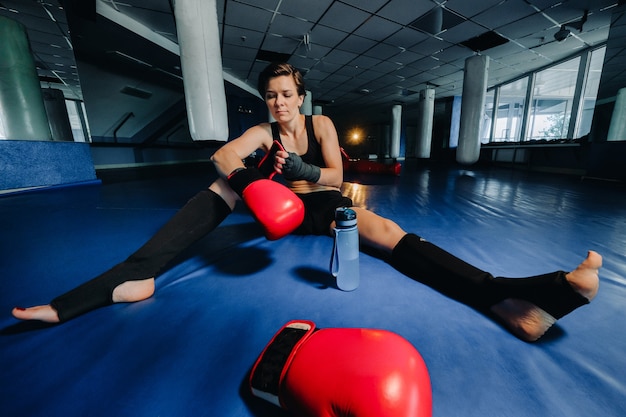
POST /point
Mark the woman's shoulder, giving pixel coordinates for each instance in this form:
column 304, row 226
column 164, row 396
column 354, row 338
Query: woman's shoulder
column 260, row 134
column 322, row 122
column 320, row 118
column 263, row 126
column 261, row 129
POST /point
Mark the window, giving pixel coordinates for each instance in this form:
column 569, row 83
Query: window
column 73, row 109
column 485, row 128
column 590, row 92
column 553, row 95
column 510, row 111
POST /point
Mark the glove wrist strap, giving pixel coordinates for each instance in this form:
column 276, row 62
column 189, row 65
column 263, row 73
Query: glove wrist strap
column 240, row 178
column 271, row 366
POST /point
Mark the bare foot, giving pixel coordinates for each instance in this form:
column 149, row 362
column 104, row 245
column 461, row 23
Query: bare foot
column 529, row 322
column 43, row 313
column 127, row 292
column 584, row 279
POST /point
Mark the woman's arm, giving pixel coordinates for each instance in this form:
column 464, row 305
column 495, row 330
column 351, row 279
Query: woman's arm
column 231, row 155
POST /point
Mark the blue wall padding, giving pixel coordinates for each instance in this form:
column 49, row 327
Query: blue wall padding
column 38, row 163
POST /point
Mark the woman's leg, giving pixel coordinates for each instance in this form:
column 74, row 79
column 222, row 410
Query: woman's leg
column 133, row 279
column 527, row 306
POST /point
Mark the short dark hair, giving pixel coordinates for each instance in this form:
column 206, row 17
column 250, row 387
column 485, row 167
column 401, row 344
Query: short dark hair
column 276, row 69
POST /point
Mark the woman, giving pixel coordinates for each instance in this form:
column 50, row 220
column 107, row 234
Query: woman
column 311, row 164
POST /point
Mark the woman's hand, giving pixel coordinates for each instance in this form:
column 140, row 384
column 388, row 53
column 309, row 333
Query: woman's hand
column 294, row 168
column 279, row 160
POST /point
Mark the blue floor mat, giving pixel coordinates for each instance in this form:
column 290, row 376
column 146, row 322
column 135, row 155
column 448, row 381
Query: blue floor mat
column 187, row 351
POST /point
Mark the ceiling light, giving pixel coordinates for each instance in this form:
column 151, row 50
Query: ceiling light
column 564, row 32
column 484, row 41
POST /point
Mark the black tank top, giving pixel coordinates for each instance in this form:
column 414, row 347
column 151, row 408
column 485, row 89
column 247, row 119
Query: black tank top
column 313, row 153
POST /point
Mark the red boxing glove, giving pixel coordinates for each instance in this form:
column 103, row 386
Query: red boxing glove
column 274, row 206
column 342, row 372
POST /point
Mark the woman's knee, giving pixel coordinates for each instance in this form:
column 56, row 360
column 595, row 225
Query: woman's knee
column 221, row 188
column 377, row 230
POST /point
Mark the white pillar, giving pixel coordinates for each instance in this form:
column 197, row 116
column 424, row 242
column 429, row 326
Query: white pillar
column 307, row 104
column 396, row 127
column 617, row 127
column 426, row 110
column 472, row 107
column 201, row 64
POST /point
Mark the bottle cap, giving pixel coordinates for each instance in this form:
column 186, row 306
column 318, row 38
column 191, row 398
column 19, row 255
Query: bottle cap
column 345, row 217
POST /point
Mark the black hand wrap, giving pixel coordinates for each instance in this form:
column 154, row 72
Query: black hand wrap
column 296, row 169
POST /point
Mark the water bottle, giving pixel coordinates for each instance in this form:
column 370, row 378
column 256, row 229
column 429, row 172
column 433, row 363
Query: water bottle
column 344, row 262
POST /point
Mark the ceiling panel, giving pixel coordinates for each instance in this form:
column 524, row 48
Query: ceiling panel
column 241, row 37
column 343, row 17
column 326, row 36
column 383, row 51
column 307, row 10
column 406, row 38
column 454, row 53
column 508, row 48
column 340, row 57
column 280, row 44
column 546, row 4
column 407, row 57
column 431, row 46
column 404, row 12
column 462, row 32
column 291, row 27
column 525, row 26
column 248, row 17
column 470, row 8
column 504, row 13
column 263, row 4
column 424, row 64
column 377, row 28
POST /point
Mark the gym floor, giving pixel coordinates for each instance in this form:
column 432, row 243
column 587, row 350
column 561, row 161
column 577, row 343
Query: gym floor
column 187, row 351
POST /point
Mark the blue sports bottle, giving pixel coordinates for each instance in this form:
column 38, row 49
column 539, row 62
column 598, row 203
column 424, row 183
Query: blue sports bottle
column 344, row 262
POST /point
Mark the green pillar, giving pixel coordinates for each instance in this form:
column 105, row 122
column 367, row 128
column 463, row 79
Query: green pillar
column 22, row 111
